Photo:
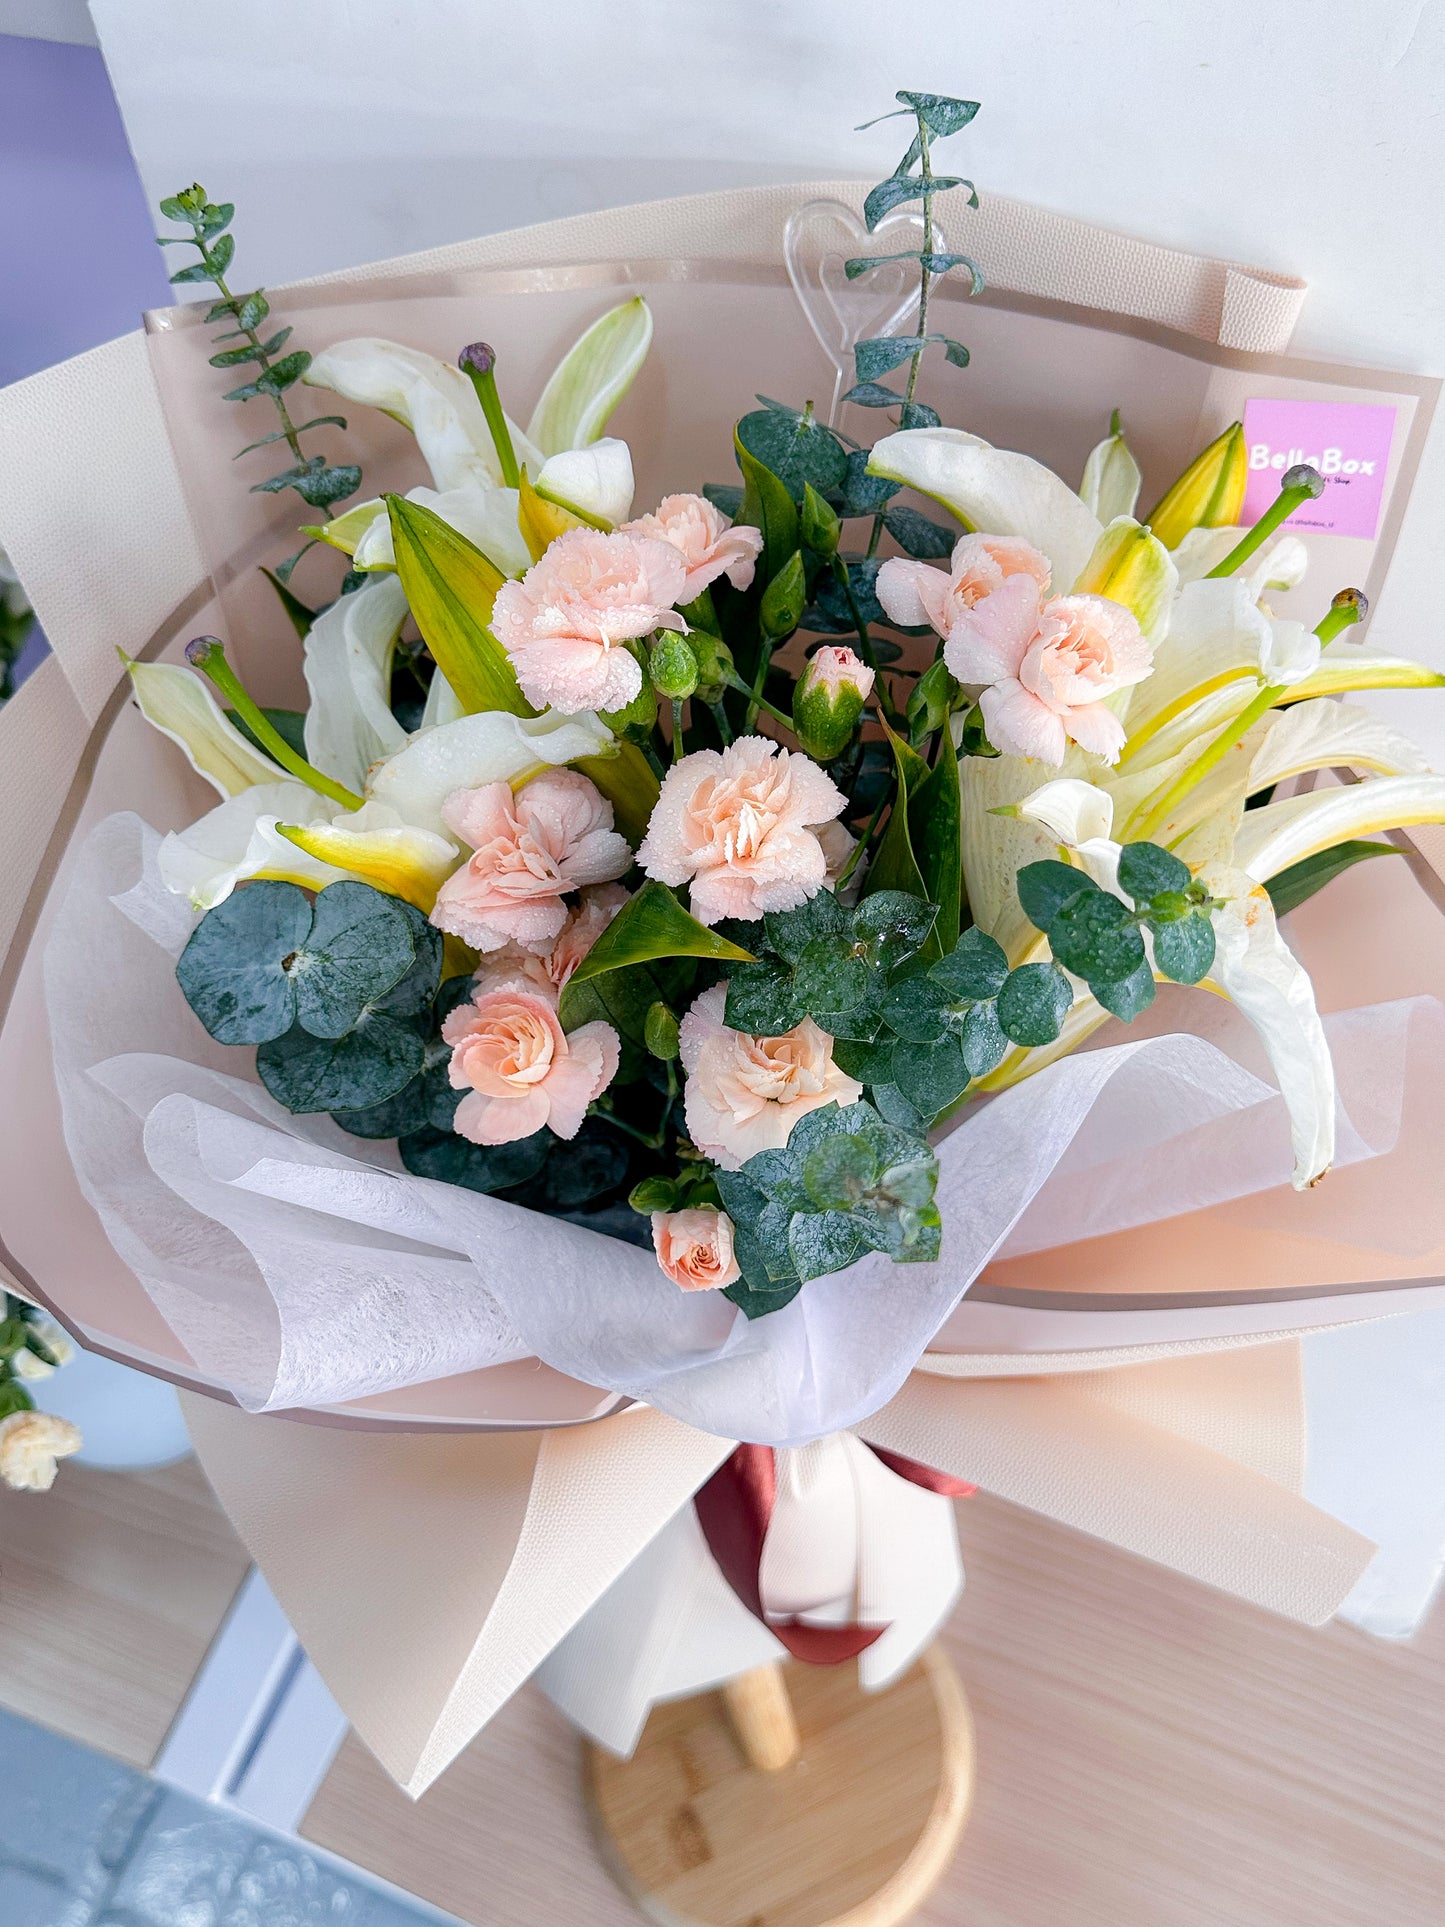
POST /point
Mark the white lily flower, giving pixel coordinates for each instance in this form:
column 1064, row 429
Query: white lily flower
column 347, row 660
column 1282, row 834
column 180, row 705
column 1112, row 477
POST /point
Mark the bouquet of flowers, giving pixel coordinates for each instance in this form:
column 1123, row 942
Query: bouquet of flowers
column 687, row 872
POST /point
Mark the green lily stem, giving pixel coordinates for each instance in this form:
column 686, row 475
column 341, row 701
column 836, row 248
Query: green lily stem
column 208, row 654
column 1348, row 607
column 925, row 171
column 724, row 727
column 479, row 363
column 1307, row 487
column 677, row 746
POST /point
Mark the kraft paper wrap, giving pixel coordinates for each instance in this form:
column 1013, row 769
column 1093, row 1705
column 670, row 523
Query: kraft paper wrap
column 430, row 1571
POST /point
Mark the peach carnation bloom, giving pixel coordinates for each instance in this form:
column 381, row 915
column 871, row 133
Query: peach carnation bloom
column 550, row 970
column 695, row 1248
column 564, row 622
column 521, row 1070
column 31, row 1445
column 1048, row 668
column 739, row 824
column 708, row 543
column 745, row 1094
column 554, row 835
column 913, row 593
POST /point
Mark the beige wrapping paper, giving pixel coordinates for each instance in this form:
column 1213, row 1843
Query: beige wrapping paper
column 429, row 1574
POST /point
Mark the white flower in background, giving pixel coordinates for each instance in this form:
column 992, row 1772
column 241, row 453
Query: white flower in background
column 31, row 1446
column 562, row 449
column 29, row 1364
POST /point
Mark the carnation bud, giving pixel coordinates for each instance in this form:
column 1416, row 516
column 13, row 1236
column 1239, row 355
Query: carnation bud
column 660, row 1031
column 828, row 699
column 672, row 666
column 715, row 668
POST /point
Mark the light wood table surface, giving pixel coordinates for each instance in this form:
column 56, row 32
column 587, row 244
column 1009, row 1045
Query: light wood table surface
column 1150, row 1753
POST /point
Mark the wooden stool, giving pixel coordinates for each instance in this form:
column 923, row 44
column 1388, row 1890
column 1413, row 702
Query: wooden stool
column 790, row 1799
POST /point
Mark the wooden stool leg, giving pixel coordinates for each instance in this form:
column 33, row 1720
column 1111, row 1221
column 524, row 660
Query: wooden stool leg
column 762, row 1717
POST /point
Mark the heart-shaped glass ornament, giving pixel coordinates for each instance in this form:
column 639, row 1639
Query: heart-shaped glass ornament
column 820, row 238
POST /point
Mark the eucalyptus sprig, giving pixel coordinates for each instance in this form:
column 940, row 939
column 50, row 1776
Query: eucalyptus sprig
column 319, row 483
column 937, row 116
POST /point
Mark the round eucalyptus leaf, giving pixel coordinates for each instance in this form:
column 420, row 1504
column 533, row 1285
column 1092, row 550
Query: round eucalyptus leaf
column 1096, row 937
column 796, row 448
column 1044, row 889
column 478, row 1167
column 931, row 1076
column 1128, row 998
column 416, row 988
column 915, row 1009
column 234, row 971
column 356, row 1072
column 1033, row 1003
column 982, row 1038
column 1185, row 950
column 838, row 1172
column 974, row 968
column 360, row 946
column 1147, row 871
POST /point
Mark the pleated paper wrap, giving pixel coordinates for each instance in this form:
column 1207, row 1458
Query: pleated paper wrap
column 506, row 1417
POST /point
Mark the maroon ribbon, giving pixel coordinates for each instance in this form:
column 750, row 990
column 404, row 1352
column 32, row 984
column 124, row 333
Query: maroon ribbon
column 734, row 1509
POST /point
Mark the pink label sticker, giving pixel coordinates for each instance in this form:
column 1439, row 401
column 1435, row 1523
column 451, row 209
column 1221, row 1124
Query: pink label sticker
column 1348, row 442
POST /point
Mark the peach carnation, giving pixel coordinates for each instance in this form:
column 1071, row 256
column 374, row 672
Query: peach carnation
column 1048, row 668
column 739, row 824
column 550, row 970
column 695, row 1248
column 521, row 1070
column 564, row 623
column 913, row 593
column 708, row 543
column 554, row 835
column 744, row 1094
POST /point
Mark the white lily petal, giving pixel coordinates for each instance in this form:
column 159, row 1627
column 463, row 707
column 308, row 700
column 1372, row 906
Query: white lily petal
column 434, row 400
column 1280, row 566
column 1070, row 810
column 180, row 705
column 237, row 840
column 1262, row 977
column 1112, row 479
column 1342, row 669
column 486, row 516
column 489, row 748
column 347, row 662
column 995, row 492
column 591, row 379
column 1281, row 834
column 1324, row 734
column 595, row 482
column 995, row 848
column 1283, row 565
column 1204, row 549
column 349, row 532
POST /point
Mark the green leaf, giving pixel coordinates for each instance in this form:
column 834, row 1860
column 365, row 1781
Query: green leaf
column 653, row 924
column 881, row 353
column 198, row 271
column 14, row 1398
column 660, row 1032
column 822, row 1242
column 895, row 924
column 758, row 1304
column 412, row 1109
column 762, row 999
column 359, row 946
column 982, row 1039
column 935, row 830
column 789, row 933
column 945, row 263
column 917, row 414
column 901, row 188
column 796, row 448
column 1184, row 951
column 864, row 494
column 916, row 535
column 221, row 252
column 931, row 1076
column 726, row 497
column 873, row 394
column 1299, row 882
column 450, row 587
column 1033, row 1003
column 1146, row 870
column 1129, row 997
column 1045, row 888
column 941, row 113
column 299, row 614
column 415, row 989
column 1095, row 936
column 477, row 1167
column 233, row 357
column 233, row 971
column 975, row 968
column 280, row 434
column 284, row 373
column 837, row 1172
column 289, row 725
column 917, row 1009
column 252, row 310
column 894, row 865
column 351, row 1073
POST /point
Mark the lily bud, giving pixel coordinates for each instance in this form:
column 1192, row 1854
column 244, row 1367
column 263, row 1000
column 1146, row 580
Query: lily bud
column 672, row 666
column 1111, row 476
column 1210, row 492
column 715, row 668
column 828, row 699
column 1131, row 565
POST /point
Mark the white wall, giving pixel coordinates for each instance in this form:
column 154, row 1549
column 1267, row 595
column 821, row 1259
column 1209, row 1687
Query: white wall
column 1305, row 135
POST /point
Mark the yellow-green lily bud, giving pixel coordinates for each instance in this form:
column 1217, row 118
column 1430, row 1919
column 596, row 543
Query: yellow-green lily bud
column 1210, row 492
column 715, row 668
column 672, row 666
column 1131, row 565
column 828, row 699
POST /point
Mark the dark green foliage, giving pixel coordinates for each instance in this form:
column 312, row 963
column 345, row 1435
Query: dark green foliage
column 1098, row 937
